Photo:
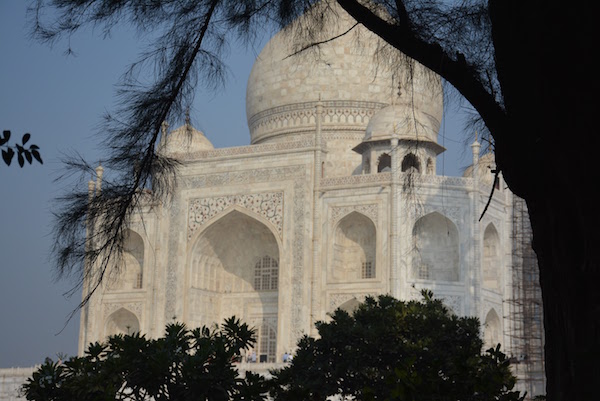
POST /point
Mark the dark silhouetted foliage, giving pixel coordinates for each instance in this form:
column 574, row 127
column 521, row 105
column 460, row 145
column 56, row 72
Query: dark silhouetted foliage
column 183, row 365
column 394, row 350
column 24, row 154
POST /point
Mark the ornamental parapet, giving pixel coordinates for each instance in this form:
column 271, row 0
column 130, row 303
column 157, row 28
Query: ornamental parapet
column 356, row 181
column 250, row 150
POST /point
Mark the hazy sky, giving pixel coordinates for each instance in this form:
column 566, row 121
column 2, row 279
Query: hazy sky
column 60, row 101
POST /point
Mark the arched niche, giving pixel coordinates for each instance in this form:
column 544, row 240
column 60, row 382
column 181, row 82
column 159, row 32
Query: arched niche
column 354, row 249
column 491, row 330
column 435, row 249
column 384, row 163
column 129, row 273
column 121, row 321
column 233, row 270
column 429, row 167
column 491, row 264
column 410, row 163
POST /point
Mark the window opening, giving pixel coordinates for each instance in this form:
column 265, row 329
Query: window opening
column 266, row 274
column 367, row 270
column 409, row 162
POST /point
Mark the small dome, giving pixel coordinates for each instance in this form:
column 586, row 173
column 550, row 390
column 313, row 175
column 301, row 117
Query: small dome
column 487, row 163
column 403, row 121
column 184, row 140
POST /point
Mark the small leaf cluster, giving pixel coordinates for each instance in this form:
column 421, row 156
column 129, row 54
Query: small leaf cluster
column 23, row 154
column 183, row 365
column 393, row 350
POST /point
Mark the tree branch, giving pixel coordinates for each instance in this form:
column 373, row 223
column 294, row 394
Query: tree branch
column 455, row 70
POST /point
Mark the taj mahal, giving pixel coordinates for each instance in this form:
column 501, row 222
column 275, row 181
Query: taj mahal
column 335, row 198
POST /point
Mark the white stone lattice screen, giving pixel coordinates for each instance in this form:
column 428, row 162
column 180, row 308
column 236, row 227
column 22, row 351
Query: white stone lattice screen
column 268, row 205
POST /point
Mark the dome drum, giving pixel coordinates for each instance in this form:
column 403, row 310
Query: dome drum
column 294, row 119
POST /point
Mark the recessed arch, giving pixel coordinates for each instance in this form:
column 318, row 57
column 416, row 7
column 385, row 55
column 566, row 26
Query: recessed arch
column 491, row 263
column 435, row 248
column 491, row 330
column 429, row 166
column 122, row 321
column 223, row 263
column 410, row 163
column 384, row 163
column 354, row 249
column 129, row 273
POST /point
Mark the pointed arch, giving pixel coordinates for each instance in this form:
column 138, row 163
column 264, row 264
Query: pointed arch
column 410, row 162
column 435, row 248
column 129, row 271
column 122, row 321
column 233, row 209
column 233, row 269
column 492, row 334
column 429, row 166
column 384, row 163
column 354, row 249
column 491, row 263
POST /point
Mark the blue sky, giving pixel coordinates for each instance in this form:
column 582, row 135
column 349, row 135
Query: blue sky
column 60, row 100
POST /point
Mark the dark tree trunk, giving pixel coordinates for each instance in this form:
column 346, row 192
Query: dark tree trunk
column 546, row 143
column 550, row 83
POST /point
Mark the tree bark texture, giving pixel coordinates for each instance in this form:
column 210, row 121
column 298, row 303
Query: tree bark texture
column 548, row 155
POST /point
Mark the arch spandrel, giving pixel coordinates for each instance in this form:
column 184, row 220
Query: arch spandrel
column 266, row 207
column 121, row 321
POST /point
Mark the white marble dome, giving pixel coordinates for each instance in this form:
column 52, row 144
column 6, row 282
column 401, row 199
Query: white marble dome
column 283, row 89
column 185, row 140
column 404, row 123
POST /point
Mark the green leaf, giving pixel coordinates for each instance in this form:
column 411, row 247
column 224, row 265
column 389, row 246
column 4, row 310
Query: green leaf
column 26, row 138
column 8, row 155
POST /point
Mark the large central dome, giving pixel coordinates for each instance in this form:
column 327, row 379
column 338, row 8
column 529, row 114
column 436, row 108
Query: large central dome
column 349, row 75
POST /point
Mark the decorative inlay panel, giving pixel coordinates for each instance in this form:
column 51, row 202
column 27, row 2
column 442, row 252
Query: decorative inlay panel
column 336, row 300
column 268, row 205
column 381, row 178
column 455, row 214
column 454, row 302
column 369, row 210
column 134, row 307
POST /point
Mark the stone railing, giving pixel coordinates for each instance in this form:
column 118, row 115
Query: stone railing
column 248, row 150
